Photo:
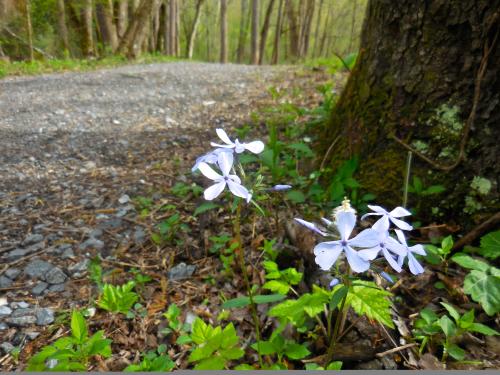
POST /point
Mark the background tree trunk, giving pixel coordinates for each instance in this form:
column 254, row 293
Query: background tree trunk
column 29, row 28
column 122, row 17
column 61, row 23
column 408, row 90
column 243, row 31
column 277, row 35
column 104, row 12
column 255, row 32
column 265, row 31
column 293, row 29
column 88, row 32
column 223, row 31
column 194, row 29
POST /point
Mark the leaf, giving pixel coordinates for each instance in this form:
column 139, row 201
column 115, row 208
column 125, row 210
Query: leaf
column 183, row 339
column 434, row 189
column 296, row 351
column 428, row 315
column 455, row 351
column 78, row 326
column 484, row 289
column 447, row 326
column 214, row 363
column 302, row 147
column 264, row 347
column 446, row 245
column 201, row 353
column 236, row 303
column 229, row 336
column 490, row 245
column 367, row 299
column 232, row 353
column 201, row 331
column 243, row 367
column 296, row 196
column 277, row 286
column 268, row 298
column 204, row 207
column 481, row 328
column 467, row 261
column 338, row 295
column 454, row 313
column 336, row 365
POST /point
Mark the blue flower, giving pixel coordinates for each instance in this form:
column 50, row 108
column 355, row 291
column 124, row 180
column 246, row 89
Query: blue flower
column 281, row 187
column 334, row 282
column 383, row 223
column 209, row 158
column 415, row 267
column 255, row 147
column 388, row 246
column 311, row 226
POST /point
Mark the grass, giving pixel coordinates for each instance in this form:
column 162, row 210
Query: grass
column 19, row 68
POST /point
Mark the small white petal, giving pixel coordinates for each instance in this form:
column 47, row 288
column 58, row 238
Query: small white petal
column 390, row 259
column 239, row 147
column 415, row 267
column 237, row 189
column 326, row 256
column 395, row 247
column 256, row 147
column 378, row 209
column 326, row 221
column 223, row 136
column 401, row 224
column 209, row 172
column 225, row 162
column 367, row 238
column 357, row 263
column 235, row 178
column 417, row 249
column 213, row 144
column 370, row 214
column 399, row 212
column 369, row 254
column 401, row 237
column 213, row 191
column 345, row 224
column 310, row 226
column 382, row 224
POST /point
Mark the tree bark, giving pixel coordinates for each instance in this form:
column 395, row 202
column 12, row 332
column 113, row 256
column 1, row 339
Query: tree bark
column 318, row 25
column 265, row 31
column 243, row 31
column 122, row 19
column 88, row 32
column 306, row 29
column 61, row 24
column 29, row 28
column 436, row 91
column 104, row 12
column 223, row 31
column 194, row 29
column 353, row 22
column 293, row 30
column 172, row 27
column 255, row 32
column 277, row 35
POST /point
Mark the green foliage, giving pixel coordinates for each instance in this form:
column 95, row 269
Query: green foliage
column 153, row 361
column 482, row 283
column 490, row 245
column 223, row 246
column 280, row 281
column 95, row 272
column 343, row 180
column 214, row 347
column 181, row 190
column 281, row 348
column 176, row 326
column 439, row 255
column 269, row 251
column 418, row 188
column 204, row 207
column 168, row 229
column 118, row 299
column 71, row 353
column 258, row 299
column 336, row 365
column 445, row 331
column 368, row 299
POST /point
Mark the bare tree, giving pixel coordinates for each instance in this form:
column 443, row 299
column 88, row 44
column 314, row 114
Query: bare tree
column 29, row 28
column 255, row 32
column 277, row 34
column 244, row 22
column 104, row 13
column 122, row 19
column 293, row 29
column 265, row 31
column 353, row 22
column 306, row 28
column 87, row 28
column 61, row 24
column 172, row 30
column 194, row 29
column 223, row 31
column 318, row 25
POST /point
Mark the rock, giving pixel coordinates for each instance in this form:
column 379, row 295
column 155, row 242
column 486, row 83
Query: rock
column 22, row 320
column 374, row 364
column 95, row 233
column 5, row 282
column 32, row 334
column 112, row 223
column 389, row 363
column 92, row 243
column 79, row 267
column 57, row 288
column 68, row 254
column 139, row 236
column 32, row 239
column 7, row 347
column 38, row 268
column 44, row 316
column 13, row 273
column 124, row 199
column 39, row 288
column 19, row 253
column 89, row 165
column 3, row 326
column 55, row 276
column 19, row 305
column 181, row 271
column 5, row 311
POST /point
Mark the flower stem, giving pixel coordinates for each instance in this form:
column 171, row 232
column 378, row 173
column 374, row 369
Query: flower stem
column 241, row 257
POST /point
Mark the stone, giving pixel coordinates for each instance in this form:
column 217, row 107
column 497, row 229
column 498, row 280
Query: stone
column 5, row 311
column 55, row 276
column 68, row 254
column 39, row 288
column 7, row 347
column 112, row 223
column 5, row 282
column 95, row 233
column 38, row 268
column 13, row 273
column 57, row 288
column 21, row 321
column 32, row 239
column 19, row 305
column 124, row 199
column 3, row 326
column 92, row 243
column 139, row 236
column 181, row 271
column 44, row 316
column 32, row 334
column 374, row 364
column 79, row 267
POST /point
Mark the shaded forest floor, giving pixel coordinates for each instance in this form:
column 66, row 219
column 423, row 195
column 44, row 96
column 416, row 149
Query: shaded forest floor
column 91, row 163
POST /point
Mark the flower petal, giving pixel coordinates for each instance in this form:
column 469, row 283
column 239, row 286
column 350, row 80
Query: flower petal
column 378, row 209
column 417, row 249
column 256, row 147
column 345, row 224
column 225, row 162
column 223, row 136
column 357, row 263
column 399, row 212
column 235, row 178
column 382, row 224
column 394, row 246
column 415, row 267
column 213, row 144
column 238, row 190
column 310, row 226
column 370, row 214
column 367, row 238
column 401, row 237
column 326, row 254
column 209, row 172
column 213, row 191
column 369, row 254
column 390, row 259
column 326, row 221
column 401, row 224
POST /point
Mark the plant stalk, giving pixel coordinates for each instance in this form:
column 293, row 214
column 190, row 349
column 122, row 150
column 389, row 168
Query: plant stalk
column 407, row 178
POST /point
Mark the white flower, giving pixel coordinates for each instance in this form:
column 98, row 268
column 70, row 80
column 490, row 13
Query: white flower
column 255, row 147
column 209, row 158
column 225, row 163
column 383, row 223
column 387, row 246
column 415, row 267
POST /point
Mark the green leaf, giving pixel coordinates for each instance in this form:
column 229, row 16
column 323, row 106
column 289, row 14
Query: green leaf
column 296, row 196
column 183, row 339
column 467, row 261
column 232, row 353
column 337, row 365
column 244, row 367
column 454, row 313
column 467, row 319
column 455, row 351
column 296, row 351
column 484, row 289
column 277, row 286
column 481, row 328
column 268, row 298
column 200, row 331
column 447, row 326
column 434, row 189
column 302, row 147
column 264, row 347
column 428, row 315
column 204, row 207
column 367, row 299
column 78, row 326
column 490, row 245
column 337, row 296
column 201, row 353
column 229, row 336
column 446, row 245
column 236, row 303
column 214, row 363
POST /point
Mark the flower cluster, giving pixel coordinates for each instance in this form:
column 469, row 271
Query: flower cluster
column 223, row 158
column 368, row 244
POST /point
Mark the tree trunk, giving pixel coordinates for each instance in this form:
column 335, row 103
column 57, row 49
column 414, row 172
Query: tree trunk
column 436, row 91
column 172, row 27
column 325, row 32
column 243, row 31
column 265, row 31
column 194, row 29
column 255, row 32
column 88, row 32
column 223, row 31
column 277, row 35
column 306, row 29
column 353, row 22
column 316, row 32
column 104, row 12
column 29, row 28
column 61, row 24
column 122, row 17
column 293, row 30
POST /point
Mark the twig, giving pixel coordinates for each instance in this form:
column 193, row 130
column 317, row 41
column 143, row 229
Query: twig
column 394, row 350
column 12, row 34
column 477, row 231
column 328, row 152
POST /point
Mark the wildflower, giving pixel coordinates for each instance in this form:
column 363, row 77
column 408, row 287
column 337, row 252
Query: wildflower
column 415, row 267
column 209, row 158
column 383, row 223
column 281, row 187
column 311, row 226
column 344, row 207
column 387, row 246
column 225, row 163
column 386, row 276
column 334, row 282
column 327, row 252
column 255, row 147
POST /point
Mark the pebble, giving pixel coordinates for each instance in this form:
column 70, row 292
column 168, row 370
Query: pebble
column 32, row 239
column 13, row 273
column 44, row 316
column 57, row 288
column 32, row 334
column 5, row 311
column 3, row 326
column 79, row 267
column 5, row 282
column 92, row 243
column 38, row 268
column 6, row 347
column 124, row 199
column 68, row 254
column 139, row 236
column 39, row 288
column 55, row 276
column 21, row 321
column 19, row 305
column 181, row 271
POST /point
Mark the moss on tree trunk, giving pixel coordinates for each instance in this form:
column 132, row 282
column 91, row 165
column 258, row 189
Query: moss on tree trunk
column 415, row 79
